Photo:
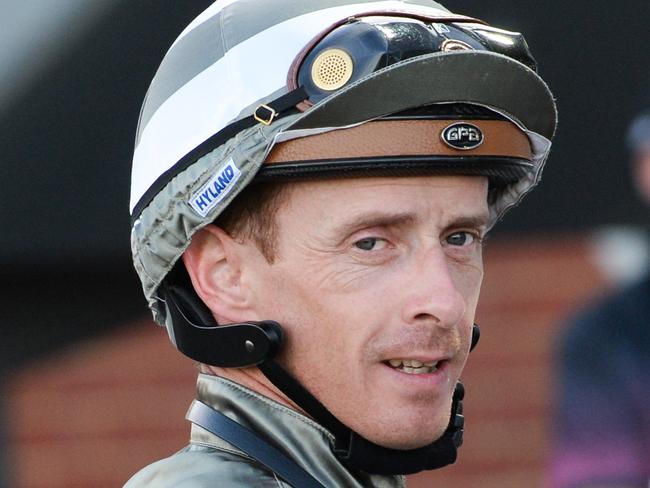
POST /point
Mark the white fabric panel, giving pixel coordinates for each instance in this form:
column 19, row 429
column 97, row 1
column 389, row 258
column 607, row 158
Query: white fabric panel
column 218, row 6
column 183, row 122
column 199, row 109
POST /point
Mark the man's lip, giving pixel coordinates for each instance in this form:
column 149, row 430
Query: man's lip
column 424, row 358
column 430, row 380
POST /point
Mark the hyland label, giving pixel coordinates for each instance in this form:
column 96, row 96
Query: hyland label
column 216, row 189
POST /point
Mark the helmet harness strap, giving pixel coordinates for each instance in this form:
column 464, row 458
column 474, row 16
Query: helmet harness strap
column 197, row 335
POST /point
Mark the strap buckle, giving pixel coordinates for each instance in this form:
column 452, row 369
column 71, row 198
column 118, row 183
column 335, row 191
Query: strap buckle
column 266, row 117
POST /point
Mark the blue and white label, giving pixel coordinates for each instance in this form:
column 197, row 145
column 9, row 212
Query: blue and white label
column 216, row 189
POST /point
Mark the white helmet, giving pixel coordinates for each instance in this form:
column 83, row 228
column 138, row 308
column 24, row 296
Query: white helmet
column 251, row 84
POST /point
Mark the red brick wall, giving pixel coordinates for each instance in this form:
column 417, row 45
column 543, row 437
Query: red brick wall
column 95, row 414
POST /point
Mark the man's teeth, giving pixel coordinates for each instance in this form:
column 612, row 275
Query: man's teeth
column 413, row 366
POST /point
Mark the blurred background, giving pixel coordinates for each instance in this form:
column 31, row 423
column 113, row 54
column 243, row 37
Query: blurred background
column 92, row 391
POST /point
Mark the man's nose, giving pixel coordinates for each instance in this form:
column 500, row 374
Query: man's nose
column 433, row 294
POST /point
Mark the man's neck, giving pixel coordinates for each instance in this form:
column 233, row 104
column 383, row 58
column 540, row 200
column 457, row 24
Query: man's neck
column 255, row 380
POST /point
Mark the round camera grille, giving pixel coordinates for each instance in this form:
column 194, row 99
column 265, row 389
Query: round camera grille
column 332, row 69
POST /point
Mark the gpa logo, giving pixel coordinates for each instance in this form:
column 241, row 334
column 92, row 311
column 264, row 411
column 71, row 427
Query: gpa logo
column 462, row 136
column 216, row 189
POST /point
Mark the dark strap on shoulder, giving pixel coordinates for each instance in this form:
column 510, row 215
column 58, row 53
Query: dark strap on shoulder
column 252, row 444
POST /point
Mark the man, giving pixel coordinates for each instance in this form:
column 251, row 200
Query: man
column 603, row 421
column 317, row 178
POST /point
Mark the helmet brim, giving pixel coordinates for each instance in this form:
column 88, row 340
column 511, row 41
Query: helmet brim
column 476, row 77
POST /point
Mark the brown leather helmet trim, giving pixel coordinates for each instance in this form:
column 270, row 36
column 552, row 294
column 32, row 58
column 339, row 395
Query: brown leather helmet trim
column 381, row 138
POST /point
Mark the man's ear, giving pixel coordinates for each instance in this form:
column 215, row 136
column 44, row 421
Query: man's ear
column 213, row 262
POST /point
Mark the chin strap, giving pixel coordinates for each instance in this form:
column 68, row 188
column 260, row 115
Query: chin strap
column 197, row 335
column 359, row 453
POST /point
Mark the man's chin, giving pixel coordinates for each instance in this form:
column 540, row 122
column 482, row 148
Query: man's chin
column 406, row 439
column 411, row 444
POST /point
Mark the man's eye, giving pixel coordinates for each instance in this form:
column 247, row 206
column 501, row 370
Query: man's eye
column 370, row 244
column 461, row 239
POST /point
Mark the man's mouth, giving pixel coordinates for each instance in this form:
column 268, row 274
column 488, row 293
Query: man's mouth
column 413, row 366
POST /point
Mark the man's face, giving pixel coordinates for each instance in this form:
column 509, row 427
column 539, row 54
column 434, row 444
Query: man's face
column 376, row 283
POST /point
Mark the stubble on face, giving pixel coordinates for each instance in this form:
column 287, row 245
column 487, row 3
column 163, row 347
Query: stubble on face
column 371, row 270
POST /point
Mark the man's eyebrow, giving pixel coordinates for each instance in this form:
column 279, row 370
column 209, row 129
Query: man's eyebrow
column 384, row 219
column 374, row 219
column 471, row 221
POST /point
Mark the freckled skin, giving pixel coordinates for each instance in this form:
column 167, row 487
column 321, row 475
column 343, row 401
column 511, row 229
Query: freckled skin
column 370, row 270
